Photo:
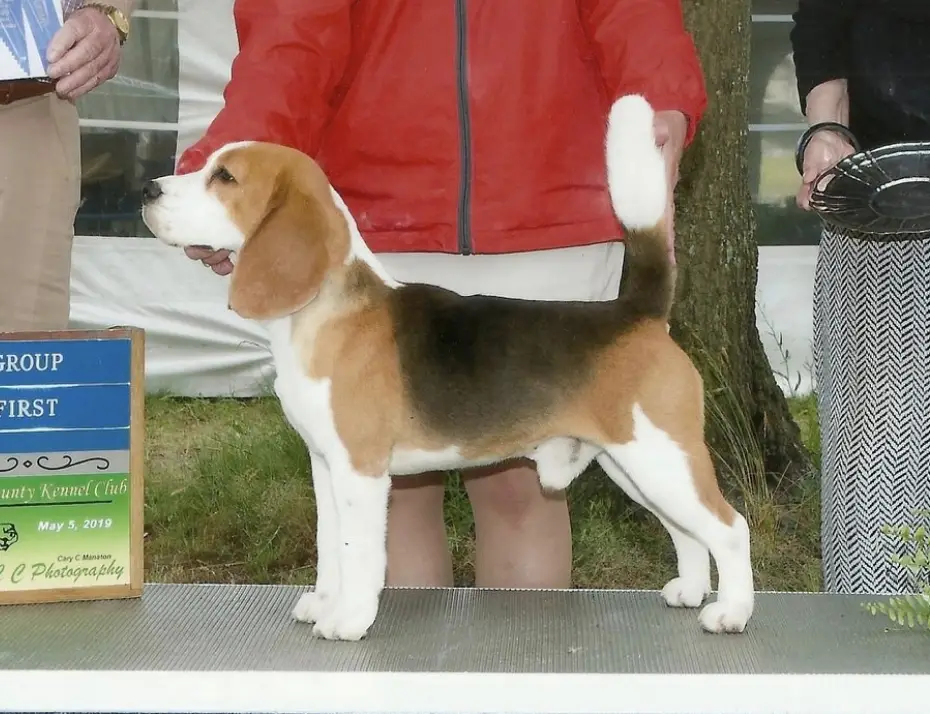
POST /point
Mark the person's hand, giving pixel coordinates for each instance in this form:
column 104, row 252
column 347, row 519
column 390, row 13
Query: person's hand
column 825, row 150
column 671, row 128
column 217, row 260
column 83, row 53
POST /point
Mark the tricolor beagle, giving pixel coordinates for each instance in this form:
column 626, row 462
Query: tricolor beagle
column 381, row 378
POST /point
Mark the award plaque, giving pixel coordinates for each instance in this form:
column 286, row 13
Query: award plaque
column 71, row 461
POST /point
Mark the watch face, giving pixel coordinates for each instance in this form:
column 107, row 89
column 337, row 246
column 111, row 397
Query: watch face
column 120, row 21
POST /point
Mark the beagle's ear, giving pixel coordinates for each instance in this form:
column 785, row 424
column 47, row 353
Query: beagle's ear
column 283, row 263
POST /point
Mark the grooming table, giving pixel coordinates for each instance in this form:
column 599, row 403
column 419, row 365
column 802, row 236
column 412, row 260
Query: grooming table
column 235, row 648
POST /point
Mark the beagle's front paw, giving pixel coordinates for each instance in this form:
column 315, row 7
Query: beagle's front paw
column 312, row 606
column 682, row 592
column 726, row 617
column 347, row 620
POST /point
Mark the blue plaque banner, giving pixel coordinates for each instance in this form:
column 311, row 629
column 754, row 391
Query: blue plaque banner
column 64, row 395
column 98, row 406
column 64, row 362
column 47, row 440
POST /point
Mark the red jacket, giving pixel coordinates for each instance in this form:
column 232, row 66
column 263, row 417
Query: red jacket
column 456, row 125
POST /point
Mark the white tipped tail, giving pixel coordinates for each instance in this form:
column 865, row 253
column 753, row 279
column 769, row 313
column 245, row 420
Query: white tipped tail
column 636, row 176
column 638, row 190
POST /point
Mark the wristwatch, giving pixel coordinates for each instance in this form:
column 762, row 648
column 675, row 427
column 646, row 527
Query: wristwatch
column 114, row 15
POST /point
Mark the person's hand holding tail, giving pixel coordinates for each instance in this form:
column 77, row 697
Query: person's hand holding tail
column 671, row 129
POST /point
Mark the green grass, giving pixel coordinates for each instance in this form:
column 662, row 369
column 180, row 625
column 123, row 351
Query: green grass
column 228, row 499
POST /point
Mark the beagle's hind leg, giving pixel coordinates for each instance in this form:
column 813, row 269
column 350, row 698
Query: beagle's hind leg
column 676, row 481
column 692, row 585
column 560, row 461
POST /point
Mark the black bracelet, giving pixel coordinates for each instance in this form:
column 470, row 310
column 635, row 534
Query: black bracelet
column 809, row 134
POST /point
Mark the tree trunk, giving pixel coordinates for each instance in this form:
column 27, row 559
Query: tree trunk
column 749, row 422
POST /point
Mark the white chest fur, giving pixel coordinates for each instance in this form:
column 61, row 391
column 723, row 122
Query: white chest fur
column 304, row 401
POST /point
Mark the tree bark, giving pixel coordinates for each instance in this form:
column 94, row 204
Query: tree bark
column 749, row 424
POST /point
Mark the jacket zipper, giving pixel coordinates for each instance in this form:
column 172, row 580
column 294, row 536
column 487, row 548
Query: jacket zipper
column 461, row 69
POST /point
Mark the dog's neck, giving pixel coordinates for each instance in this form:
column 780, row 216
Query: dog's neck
column 358, row 249
column 360, row 279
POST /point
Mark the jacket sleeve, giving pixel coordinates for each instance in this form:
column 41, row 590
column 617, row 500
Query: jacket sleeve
column 292, row 54
column 643, row 47
column 820, row 43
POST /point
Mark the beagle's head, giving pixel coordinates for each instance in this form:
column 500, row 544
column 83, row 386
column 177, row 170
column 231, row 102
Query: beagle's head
column 273, row 206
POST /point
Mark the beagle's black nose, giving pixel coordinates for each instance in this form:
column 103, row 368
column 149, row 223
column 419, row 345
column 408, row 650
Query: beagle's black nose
column 151, row 190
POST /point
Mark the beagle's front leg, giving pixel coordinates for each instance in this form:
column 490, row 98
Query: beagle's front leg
column 313, row 605
column 361, row 505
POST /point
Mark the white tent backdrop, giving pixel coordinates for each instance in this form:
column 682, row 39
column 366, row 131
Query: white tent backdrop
column 196, row 347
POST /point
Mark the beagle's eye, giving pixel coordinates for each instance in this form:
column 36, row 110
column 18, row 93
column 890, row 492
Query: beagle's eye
column 223, row 176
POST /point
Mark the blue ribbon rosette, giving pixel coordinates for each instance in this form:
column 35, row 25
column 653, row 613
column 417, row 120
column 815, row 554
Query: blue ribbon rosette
column 13, row 31
column 43, row 19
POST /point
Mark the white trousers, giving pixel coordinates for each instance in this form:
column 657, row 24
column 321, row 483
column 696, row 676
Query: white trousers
column 584, row 273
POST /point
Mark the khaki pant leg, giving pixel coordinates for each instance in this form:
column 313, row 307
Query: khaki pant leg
column 40, row 186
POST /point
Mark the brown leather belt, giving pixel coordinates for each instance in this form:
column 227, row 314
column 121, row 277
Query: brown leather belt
column 15, row 89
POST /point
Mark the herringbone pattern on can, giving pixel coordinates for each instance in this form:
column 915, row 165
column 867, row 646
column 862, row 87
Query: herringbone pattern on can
column 872, row 364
